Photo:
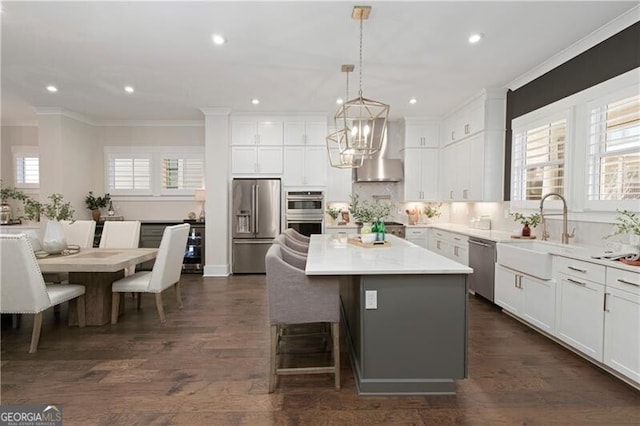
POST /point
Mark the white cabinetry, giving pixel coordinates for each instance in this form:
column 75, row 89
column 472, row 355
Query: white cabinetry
column 256, row 146
column 622, row 323
column 420, row 133
column 252, row 160
column 421, row 160
column 256, row 132
column 580, row 315
column 473, row 153
column 420, row 174
column 305, row 166
column 305, row 131
column 449, row 244
column 417, row 235
column 529, row 298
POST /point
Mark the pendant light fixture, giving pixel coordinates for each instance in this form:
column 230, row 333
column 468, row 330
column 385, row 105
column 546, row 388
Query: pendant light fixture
column 340, row 155
column 363, row 120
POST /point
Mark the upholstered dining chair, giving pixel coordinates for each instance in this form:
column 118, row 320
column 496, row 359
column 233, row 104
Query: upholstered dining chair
column 293, row 244
column 121, row 234
column 79, row 232
column 165, row 273
column 295, row 298
column 297, row 236
column 23, row 290
column 283, row 241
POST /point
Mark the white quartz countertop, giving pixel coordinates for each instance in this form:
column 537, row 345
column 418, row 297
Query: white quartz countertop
column 491, row 235
column 331, row 254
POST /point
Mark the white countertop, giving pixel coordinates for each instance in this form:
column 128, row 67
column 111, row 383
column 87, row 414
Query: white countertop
column 347, row 226
column 330, row 254
column 491, row 235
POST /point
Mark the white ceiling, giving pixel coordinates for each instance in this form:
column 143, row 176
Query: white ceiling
column 287, row 54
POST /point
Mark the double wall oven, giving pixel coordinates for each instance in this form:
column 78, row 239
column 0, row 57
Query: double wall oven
column 304, row 211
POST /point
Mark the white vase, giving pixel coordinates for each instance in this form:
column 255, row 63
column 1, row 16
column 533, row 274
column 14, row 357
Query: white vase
column 53, row 240
column 366, row 228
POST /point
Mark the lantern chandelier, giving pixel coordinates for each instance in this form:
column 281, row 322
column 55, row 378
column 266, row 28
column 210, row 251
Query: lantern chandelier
column 340, row 155
column 361, row 122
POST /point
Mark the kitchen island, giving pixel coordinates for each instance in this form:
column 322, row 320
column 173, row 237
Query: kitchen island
column 404, row 311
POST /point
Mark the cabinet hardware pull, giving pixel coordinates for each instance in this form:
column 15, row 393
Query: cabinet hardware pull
column 466, row 129
column 576, row 282
column 519, row 281
column 577, row 269
column 605, row 307
column 451, row 194
column 627, row 282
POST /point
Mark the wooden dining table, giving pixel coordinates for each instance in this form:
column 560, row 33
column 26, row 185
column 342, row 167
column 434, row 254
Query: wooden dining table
column 96, row 269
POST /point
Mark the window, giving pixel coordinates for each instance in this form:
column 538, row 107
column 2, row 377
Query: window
column 26, row 162
column 151, row 171
column 182, row 174
column 538, row 160
column 613, row 172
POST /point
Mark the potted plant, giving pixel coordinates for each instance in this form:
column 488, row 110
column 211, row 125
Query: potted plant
column 432, row 210
column 96, row 203
column 367, row 213
column 53, row 240
column 527, row 222
column 333, row 212
column 6, row 194
column 628, row 223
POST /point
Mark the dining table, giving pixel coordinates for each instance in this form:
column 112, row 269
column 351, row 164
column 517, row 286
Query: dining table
column 96, row 269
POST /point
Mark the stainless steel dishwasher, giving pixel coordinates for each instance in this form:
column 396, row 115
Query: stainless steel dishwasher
column 482, row 258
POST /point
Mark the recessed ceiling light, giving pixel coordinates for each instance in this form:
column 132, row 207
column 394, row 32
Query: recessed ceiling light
column 339, row 101
column 413, row 101
column 474, row 38
column 52, row 89
column 255, row 101
column 218, row 39
column 129, row 89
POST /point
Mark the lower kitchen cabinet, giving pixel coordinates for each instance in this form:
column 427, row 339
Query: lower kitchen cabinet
column 450, row 244
column 622, row 323
column 529, row 298
column 580, row 315
column 508, row 290
column 418, row 236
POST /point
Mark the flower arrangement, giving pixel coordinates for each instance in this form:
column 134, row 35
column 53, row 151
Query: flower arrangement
column 432, row 210
column 366, row 212
column 56, row 209
column 333, row 212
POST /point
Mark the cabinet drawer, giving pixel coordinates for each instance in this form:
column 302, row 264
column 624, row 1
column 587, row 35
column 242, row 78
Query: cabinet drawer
column 459, row 239
column 578, row 268
column 415, row 232
column 623, row 280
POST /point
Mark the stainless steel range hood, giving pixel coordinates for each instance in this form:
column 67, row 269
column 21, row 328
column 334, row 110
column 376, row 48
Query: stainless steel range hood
column 379, row 168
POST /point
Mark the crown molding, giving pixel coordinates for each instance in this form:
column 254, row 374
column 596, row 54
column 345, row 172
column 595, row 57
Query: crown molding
column 20, row 123
column 216, row 111
column 66, row 113
column 598, row 36
column 152, row 123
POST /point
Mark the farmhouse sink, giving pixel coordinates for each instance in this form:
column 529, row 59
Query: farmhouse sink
column 529, row 257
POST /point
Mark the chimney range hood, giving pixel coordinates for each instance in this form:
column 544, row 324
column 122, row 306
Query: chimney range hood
column 379, row 168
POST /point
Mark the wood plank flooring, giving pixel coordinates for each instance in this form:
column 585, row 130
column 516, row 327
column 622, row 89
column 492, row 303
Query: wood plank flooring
column 208, row 366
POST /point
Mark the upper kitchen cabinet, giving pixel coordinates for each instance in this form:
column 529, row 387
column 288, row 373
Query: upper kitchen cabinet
column 256, row 160
column 305, row 166
column 307, row 131
column 421, row 141
column 472, row 165
column 420, row 133
column 420, row 174
column 256, row 131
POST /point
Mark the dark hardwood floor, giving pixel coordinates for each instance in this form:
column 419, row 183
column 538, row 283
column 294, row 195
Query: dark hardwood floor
column 208, row 366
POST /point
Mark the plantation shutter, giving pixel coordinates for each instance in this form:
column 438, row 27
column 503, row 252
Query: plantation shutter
column 129, row 175
column 182, row 174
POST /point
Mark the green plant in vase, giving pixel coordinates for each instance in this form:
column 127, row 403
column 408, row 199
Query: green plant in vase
column 627, row 223
column 96, row 203
column 432, row 210
column 333, row 213
column 527, row 222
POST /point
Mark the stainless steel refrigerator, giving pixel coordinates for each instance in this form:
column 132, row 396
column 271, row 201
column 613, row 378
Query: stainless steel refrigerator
column 256, row 222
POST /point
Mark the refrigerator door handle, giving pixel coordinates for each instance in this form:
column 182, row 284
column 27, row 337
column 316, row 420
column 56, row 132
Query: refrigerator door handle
column 256, row 197
column 253, row 209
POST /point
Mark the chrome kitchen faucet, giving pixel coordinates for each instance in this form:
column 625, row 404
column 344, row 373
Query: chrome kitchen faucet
column 565, row 234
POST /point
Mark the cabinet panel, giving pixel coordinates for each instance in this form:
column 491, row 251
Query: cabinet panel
column 508, row 291
column 270, row 133
column 256, row 160
column 421, row 134
column 580, row 315
column 622, row 332
column 243, row 160
column 539, row 303
column 243, row 132
column 256, row 132
column 305, row 166
column 305, row 132
column 269, row 160
column 421, row 174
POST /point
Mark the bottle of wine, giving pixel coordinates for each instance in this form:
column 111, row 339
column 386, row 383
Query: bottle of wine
column 381, row 231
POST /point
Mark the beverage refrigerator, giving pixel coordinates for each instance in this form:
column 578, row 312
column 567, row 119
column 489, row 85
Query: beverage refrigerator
column 256, row 222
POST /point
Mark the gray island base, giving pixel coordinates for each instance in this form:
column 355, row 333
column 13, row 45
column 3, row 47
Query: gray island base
column 415, row 342
column 411, row 336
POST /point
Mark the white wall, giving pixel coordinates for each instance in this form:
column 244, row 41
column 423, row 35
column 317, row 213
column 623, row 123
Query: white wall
column 146, row 135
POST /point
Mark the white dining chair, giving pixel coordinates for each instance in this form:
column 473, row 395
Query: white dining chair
column 23, row 290
column 79, row 232
column 165, row 273
column 121, row 234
